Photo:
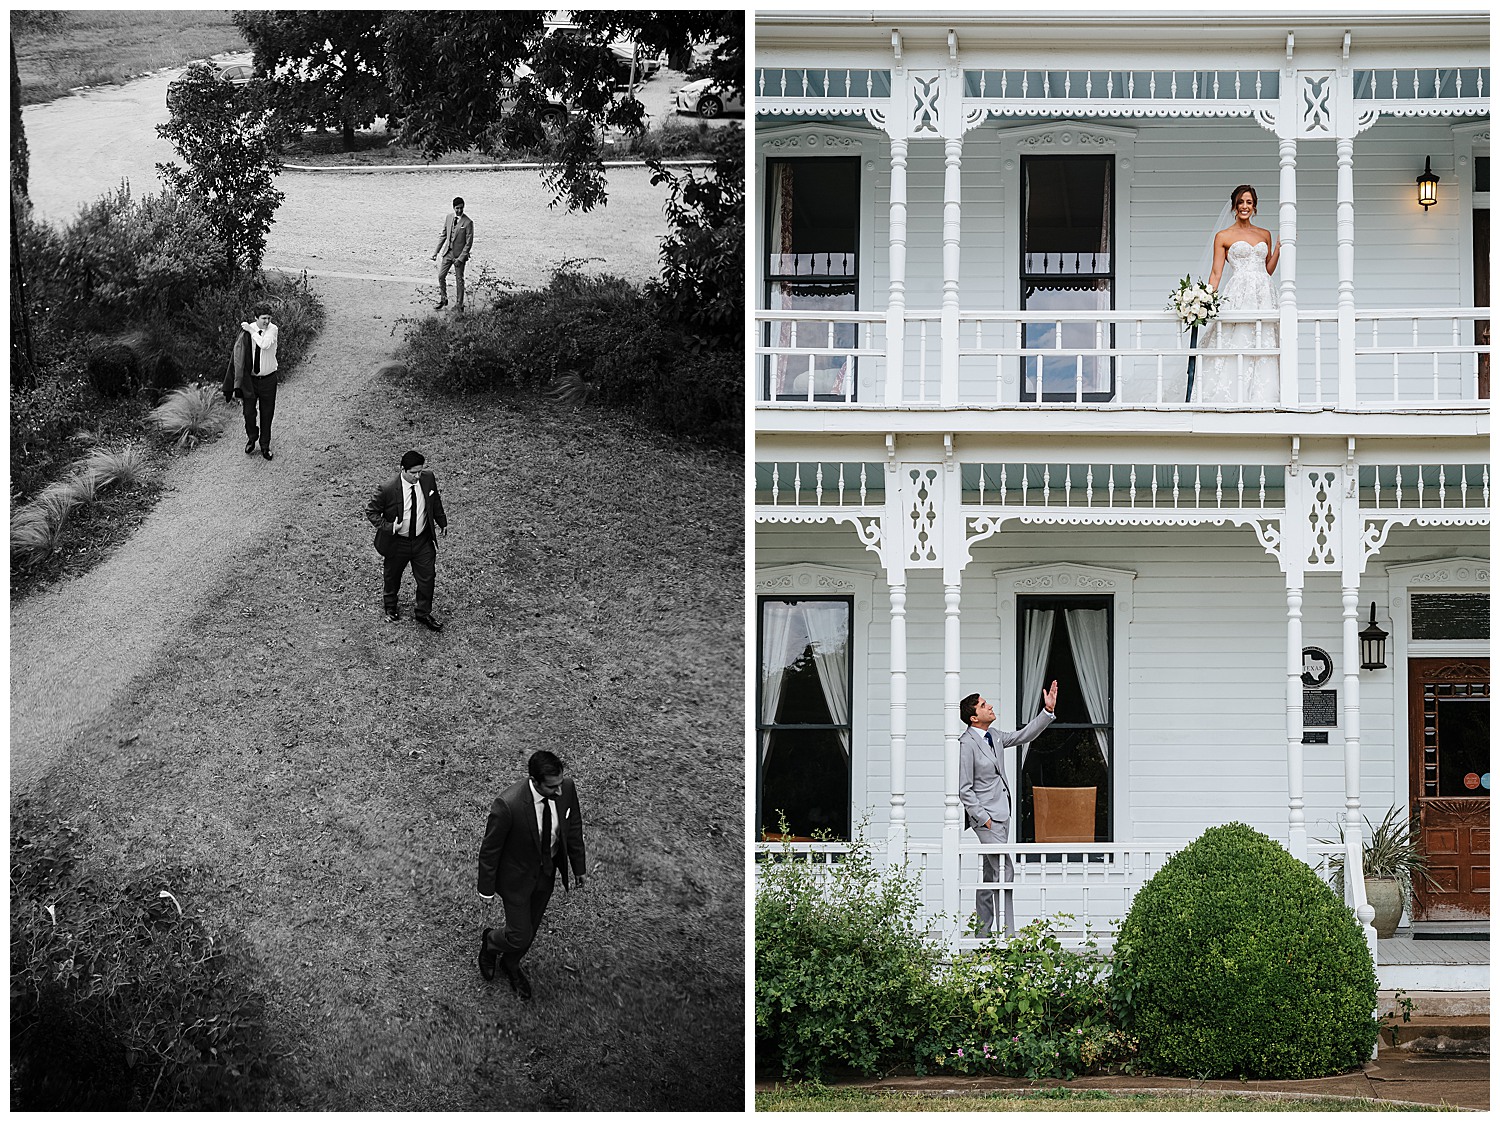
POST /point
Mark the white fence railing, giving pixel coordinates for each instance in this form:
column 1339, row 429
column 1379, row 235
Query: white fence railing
column 1402, row 358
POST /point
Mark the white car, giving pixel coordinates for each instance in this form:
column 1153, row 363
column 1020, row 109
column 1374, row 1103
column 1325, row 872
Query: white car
column 706, row 99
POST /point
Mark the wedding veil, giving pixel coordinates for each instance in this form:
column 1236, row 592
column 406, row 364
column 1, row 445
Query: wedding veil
column 1206, row 259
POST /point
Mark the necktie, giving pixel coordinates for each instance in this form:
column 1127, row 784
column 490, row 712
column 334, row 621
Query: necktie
column 412, row 530
column 987, row 739
column 546, row 834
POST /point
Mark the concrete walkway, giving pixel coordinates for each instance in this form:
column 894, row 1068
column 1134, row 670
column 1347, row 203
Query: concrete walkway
column 1398, row 1076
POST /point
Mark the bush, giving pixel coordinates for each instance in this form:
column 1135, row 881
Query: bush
column 597, row 337
column 842, row 966
column 113, row 370
column 1236, row 960
column 1031, row 1008
column 190, row 414
column 118, row 999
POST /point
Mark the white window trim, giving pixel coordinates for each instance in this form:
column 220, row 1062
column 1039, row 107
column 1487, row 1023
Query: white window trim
column 804, row 580
column 1067, row 579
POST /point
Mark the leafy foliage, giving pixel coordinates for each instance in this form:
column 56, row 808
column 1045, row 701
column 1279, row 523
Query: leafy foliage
column 190, row 414
column 229, row 138
column 322, row 66
column 843, row 968
column 1392, row 849
column 1031, row 1007
column 118, row 998
column 1236, row 960
column 586, row 337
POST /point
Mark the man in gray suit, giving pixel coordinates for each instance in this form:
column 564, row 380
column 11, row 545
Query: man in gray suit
column 458, row 237
column 985, row 794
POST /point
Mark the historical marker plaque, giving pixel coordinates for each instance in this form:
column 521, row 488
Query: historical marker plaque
column 1320, row 708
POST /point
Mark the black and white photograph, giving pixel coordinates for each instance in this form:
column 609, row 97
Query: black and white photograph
column 378, row 560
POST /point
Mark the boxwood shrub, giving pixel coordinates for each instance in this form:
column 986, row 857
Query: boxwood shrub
column 1237, row 960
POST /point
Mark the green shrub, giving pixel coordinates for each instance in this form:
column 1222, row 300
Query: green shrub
column 1029, row 1007
column 843, row 969
column 118, row 999
column 41, row 422
column 1237, row 960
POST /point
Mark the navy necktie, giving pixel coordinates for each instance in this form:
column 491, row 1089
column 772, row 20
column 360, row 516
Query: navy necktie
column 987, row 739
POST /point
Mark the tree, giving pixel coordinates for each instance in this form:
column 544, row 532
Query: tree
column 321, row 66
column 703, row 258
column 20, row 152
column 453, row 76
column 230, row 141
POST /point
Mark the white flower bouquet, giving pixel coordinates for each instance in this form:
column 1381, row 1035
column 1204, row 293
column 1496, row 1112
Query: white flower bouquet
column 1195, row 302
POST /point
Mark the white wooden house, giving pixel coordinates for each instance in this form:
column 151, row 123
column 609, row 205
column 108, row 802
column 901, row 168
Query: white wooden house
column 978, row 467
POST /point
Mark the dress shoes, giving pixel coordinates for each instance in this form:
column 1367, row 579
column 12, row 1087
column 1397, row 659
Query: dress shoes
column 430, row 623
column 266, row 454
column 393, row 615
column 518, row 980
column 442, row 304
column 488, row 958
column 250, row 447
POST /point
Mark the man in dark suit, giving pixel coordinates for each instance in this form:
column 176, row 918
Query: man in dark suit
column 535, row 828
column 407, row 513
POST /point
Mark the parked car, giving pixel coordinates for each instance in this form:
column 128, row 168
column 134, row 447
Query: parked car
column 235, row 73
column 707, row 100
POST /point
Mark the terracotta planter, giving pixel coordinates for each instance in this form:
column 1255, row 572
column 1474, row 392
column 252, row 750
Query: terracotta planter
column 1384, row 894
column 1064, row 814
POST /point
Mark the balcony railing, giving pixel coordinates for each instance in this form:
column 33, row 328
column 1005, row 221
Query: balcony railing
column 1431, row 358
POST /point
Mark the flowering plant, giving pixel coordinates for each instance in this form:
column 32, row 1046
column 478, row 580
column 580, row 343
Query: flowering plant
column 1195, row 302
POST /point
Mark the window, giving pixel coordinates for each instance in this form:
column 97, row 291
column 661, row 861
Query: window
column 1069, row 640
column 812, row 253
column 1450, row 615
column 1067, row 265
column 804, row 707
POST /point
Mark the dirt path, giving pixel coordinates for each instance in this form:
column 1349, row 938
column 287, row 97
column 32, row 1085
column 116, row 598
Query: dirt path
column 75, row 650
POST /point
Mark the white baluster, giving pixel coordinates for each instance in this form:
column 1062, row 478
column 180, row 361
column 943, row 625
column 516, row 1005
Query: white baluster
column 775, row 483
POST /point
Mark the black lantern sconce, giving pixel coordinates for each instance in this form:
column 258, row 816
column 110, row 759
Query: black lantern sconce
column 1427, row 187
column 1372, row 645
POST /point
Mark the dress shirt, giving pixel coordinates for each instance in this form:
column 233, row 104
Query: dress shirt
column 413, row 506
column 537, row 800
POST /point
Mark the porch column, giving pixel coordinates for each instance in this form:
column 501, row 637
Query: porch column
column 952, row 151
column 952, row 809
column 1353, row 824
column 1286, row 265
column 895, row 309
column 1345, row 147
column 897, row 833
column 1296, row 818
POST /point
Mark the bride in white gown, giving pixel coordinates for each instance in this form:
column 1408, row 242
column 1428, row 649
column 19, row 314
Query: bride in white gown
column 1250, row 254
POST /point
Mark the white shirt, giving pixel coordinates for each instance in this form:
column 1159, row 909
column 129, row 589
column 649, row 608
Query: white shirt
column 411, row 519
column 537, row 802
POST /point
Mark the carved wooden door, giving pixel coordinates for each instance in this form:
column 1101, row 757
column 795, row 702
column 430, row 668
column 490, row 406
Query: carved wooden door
column 1449, row 704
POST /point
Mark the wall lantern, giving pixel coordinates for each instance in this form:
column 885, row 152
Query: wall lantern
column 1372, row 645
column 1427, row 187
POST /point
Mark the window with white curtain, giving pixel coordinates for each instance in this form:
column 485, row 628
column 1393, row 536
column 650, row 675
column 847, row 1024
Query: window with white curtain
column 1070, row 640
column 804, row 718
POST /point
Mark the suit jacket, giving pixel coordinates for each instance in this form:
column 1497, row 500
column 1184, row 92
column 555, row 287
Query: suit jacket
column 238, row 368
column 982, row 786
column 458, row 234
column 385, row 506
column 510, row 859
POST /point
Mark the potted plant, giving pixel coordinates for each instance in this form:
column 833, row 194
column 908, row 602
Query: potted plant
column 1392, row 855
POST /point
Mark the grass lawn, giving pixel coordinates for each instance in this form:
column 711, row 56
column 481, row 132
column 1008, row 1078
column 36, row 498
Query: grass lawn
column 326, row 775
column 58, row 50
column 1055, row 1099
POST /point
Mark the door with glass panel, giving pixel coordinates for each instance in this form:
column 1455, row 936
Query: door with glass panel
column 804, row 718
column 1067, row 267
column 812, row 265
column 1066, row 774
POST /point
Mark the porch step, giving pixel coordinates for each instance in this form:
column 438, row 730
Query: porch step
column 1453, row 1036
column 1428, row 965
column 1437, row 1003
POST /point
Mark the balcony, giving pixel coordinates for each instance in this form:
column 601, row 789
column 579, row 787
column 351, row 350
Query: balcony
column 1397, row 360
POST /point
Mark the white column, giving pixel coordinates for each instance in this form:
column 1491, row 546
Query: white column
column 895, row 309
column 952, row 809
column 897, row 834
column 1345, row 228
column 952, row 151
column 1296, row 817
column 1286, row 265
column 1353, row 824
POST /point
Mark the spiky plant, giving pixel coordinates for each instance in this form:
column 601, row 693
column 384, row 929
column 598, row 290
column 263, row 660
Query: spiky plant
column 36, row 529
column 86, row 486
column 126, row 466
column 1392, row 849
column 189, row 415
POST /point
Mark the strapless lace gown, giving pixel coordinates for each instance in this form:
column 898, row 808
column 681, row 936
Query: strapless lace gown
column 1248, row 289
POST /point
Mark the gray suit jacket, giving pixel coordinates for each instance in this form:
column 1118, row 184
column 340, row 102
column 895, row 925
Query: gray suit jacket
column 981, row 770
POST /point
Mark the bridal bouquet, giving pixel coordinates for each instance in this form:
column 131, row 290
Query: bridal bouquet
column 1195, row 302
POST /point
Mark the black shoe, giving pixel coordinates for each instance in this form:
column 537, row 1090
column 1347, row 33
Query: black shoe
column 393, row 615
column 266, row 454
column 520, row 983
column 487, row 957
column 250, row 446
column 430, row 623
column 441, row 304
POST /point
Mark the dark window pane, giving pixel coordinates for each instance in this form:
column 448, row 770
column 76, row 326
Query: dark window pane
column 1481, row 173
column 805, row 779
column 814, row 210
column 1067, row 206
column 1450, row 615
column 1463, row 727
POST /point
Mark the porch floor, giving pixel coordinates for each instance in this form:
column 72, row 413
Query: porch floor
column 1402, row 950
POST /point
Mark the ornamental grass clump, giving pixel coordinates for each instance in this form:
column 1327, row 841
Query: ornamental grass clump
column 1237, row 960
column 189, row 415
column 843, row 968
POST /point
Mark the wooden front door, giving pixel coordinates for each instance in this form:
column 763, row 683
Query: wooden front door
column 1449, row 702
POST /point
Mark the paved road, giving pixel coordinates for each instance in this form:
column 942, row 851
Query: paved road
column 353, row 224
